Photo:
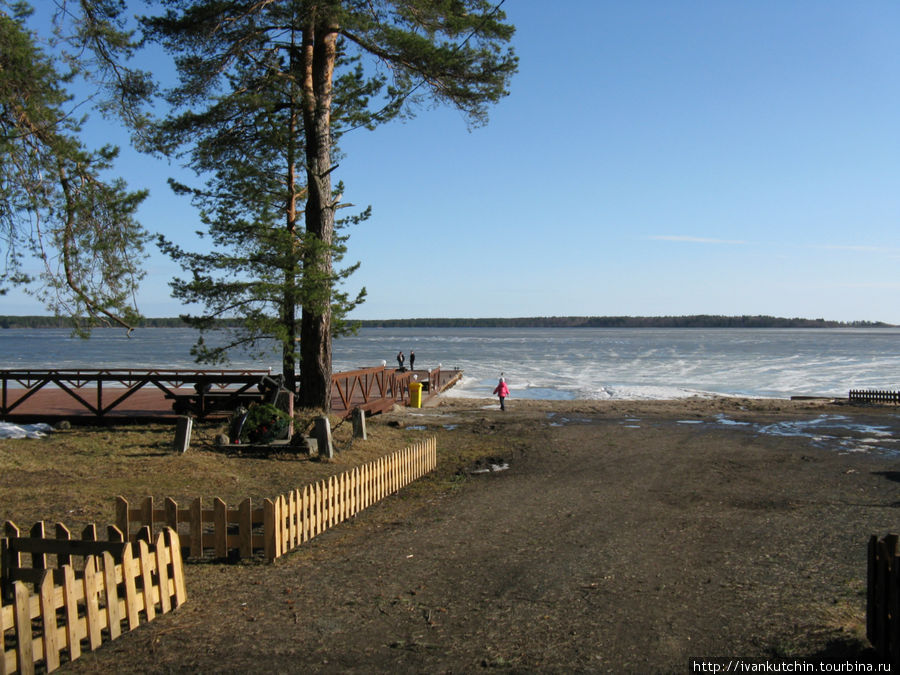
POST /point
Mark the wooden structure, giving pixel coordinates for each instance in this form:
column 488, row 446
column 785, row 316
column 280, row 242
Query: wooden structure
column 276, row 526
column 100, row 393
column 877, row 396
column 883, row 598
column 377, row 390
column 73, row 610
column 149, row 395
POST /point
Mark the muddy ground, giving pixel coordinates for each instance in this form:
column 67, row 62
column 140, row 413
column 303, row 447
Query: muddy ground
column 622, row 537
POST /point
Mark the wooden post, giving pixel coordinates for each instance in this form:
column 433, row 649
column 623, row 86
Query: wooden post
column 196, row 525
column 220, row 528
column 269, row 530
column 245, row 528
column 147, row 513
column 171, row 508
column 62, row 532
column 38, row 560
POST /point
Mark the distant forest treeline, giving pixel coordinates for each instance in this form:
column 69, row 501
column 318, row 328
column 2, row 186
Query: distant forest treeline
column 694, row 321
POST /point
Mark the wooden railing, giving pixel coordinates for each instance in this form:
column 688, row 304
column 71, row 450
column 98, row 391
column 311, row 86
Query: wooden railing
column 205, row 384
column 378, row 389
column 202, row 392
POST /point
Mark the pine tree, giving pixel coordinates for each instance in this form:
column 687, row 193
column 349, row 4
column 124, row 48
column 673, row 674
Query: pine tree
column 305, row 72
column 238, row 114
column 56, row 205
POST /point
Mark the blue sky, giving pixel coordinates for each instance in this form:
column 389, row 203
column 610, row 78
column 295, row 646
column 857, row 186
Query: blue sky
column 654, row 157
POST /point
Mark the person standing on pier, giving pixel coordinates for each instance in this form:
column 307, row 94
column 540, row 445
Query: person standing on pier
column 412, row 360
column 400, row 359
column 502, row 391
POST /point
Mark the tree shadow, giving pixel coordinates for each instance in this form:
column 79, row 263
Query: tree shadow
column 890, row 475
column 842, row 650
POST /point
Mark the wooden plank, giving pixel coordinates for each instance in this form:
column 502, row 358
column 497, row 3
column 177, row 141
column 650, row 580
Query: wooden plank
column 162, row 574
column 245, row 528
column 7, row 622
column 146, row 574
column 220, row 527
column 293, row 502
column 62, row 532
column 177, row 567
column 24, row 643
column 48, row 622
column 122, row 518
column 281, row 514
column 196, row 526
column 304, row 514
column 92, row 588
column 147, row 513
column 130, row 571
column 39, row 561
column 63, row 548
column 170, row 506
column 113, row 612
column 270, row 530
column 73, row 629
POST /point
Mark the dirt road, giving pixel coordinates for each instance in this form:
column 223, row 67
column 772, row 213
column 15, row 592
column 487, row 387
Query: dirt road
column 620, row 539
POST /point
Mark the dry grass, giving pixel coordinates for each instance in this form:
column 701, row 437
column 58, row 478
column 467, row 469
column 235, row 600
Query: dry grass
column 73, row 476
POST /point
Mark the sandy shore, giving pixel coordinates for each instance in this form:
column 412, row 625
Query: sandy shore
column 620, row 536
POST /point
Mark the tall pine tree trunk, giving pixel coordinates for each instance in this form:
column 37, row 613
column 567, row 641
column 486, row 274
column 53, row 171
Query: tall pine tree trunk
column 319, row 50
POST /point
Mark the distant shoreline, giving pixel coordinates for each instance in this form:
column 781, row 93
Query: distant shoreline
column 690, row 321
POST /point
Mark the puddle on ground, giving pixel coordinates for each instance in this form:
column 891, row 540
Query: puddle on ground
column 828, row 432
column 556, row 421
column 417, row 427
column 492, row 468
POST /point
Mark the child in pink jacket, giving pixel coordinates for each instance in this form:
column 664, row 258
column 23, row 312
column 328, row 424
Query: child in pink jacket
column 502, row 391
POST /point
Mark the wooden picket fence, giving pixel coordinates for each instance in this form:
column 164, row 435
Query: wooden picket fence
column 277, row 526
column 873, row 396
column 25, row 558
column 883, row 597
column 75, row 610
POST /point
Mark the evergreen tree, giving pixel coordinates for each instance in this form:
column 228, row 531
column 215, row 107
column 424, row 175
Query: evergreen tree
column 238, row 114
column 314, row 69
column 56, row 205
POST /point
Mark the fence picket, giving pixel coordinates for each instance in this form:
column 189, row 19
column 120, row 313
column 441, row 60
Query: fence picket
column 92, row 588
column 70, row 605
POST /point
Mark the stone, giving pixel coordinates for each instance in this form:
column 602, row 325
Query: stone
column 359, row 423
column 183, row 426
column 322, row 434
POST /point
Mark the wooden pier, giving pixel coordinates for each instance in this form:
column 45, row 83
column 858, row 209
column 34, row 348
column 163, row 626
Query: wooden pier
column 111, row 395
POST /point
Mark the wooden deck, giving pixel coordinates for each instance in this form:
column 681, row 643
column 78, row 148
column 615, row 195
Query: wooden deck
column 144, row 396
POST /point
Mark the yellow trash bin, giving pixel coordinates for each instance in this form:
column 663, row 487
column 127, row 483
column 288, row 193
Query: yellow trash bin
column 415, row 394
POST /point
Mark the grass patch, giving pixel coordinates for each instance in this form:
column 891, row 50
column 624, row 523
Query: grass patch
column 73, row 476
